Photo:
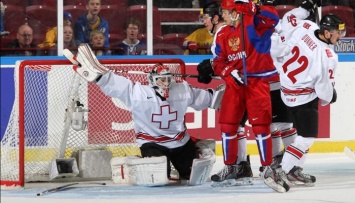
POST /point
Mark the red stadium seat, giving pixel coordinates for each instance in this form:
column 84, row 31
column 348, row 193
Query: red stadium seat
column 114, row 14
column 114, row 2
column 4, row 40
column 179, row 14
column 76, row 11
column 52, row 3
column 41, row 17
column 115, row 38
column 14, row 2
column 14, row 17
column 174, row 38
column 75, row 2
column 140, row 12
column 282, row 9
column 343, row 12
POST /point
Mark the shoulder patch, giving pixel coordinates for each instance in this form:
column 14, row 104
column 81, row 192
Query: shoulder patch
column 329, row 53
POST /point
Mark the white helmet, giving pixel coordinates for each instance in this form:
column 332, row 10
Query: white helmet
column 160, row 79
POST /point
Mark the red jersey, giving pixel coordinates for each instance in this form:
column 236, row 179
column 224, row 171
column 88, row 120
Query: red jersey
column 257, row 40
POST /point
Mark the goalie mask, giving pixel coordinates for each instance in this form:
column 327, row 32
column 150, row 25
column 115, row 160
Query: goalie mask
column 160, row 79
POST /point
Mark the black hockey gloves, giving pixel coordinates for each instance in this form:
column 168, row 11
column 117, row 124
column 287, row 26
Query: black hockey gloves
column 205, row 71
column 335, row 96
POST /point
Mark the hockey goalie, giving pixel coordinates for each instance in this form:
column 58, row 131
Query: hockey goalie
column 158, row 112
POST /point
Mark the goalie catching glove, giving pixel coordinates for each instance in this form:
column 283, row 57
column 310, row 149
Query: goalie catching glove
column 205, row 71
column 86, row 63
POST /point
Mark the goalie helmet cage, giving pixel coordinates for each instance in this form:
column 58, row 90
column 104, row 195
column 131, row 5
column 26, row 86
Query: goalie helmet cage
column 47, row 92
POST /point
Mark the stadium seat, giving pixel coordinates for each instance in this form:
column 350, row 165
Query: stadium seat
column 114, row 2
column 41, row 17
column 140, row 12
column 4, row 40
column 156, row 38
column 115, row 38
column 14, row 17
column 179, row 14
column 343, row 12
column 75, row 10
column 21, row 3
column 75, row 2
column 167, row 49
column 174, row 38
column 282, row 9
column 114, row 14
column 52, row 3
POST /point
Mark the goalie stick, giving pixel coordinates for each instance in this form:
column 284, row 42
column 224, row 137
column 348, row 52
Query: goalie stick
column 70, row 56
column 350, row 153
column 56, row 189
column 174, row 74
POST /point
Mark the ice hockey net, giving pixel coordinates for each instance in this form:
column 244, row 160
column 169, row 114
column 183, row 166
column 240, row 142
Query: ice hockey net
column 39, row 130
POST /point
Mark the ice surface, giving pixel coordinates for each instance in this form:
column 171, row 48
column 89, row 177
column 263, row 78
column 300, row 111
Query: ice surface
column 335, row 175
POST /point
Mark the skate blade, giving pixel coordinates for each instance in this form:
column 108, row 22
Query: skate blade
column 300, row 184
column 233, row 182
column 273, row 185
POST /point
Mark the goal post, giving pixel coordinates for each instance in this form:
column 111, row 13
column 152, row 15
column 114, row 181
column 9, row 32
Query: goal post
column 48, row 93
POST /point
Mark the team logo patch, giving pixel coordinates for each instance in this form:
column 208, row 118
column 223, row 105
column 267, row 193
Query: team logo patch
column 329, row 53
column 234, row 43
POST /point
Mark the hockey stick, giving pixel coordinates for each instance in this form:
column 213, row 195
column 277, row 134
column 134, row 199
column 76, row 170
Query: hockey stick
column 174, row 74
column 56, row 189
column 350, row 153
column 243, row 52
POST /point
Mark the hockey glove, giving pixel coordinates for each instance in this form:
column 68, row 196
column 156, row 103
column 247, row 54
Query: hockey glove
column 335, row 96
column 234, row 79
column 309, row 5
column 205, row 71
column 246, row 7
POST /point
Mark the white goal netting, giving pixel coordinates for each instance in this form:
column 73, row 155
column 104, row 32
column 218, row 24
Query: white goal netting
column 46, row 95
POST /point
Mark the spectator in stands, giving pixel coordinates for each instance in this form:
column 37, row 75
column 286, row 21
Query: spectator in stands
column 97, row 40
column 23, row 41
column 91, row 21
column 51, row 36
column 198, row 42
column 132, row 45
column 68, row 41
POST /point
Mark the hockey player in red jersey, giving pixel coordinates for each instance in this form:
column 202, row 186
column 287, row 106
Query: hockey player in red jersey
column 244, row 62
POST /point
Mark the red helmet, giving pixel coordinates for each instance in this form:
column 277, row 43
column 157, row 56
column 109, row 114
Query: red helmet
column 228, row 4
column 160, row 79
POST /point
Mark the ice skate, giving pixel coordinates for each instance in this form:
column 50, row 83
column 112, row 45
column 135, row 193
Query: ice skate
column 225, row 177
column 275, row 179
column 297, row 177
column 244, row 173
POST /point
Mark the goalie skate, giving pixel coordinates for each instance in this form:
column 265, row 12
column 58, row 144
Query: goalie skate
column 86, row 63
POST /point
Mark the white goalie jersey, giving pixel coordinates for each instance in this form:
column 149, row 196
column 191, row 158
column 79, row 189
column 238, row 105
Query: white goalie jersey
column 155, row 120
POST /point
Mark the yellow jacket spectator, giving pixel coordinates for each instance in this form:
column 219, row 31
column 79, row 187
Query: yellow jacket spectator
column 198, row 42
column 52, row 33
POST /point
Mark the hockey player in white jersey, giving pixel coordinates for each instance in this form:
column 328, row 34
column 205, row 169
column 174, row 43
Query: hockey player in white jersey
column 158, row 112
column 307, row 76
column 282, row 128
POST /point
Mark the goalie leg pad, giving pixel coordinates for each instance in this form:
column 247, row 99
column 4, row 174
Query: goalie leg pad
column 201, row 169
column 119, row 170
column 149, row 171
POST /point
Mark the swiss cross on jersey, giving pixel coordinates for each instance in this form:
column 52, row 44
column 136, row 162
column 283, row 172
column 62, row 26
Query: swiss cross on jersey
column 164, row 117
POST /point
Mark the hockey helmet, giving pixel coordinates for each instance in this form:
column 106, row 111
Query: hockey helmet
column 228, row 4
column 212, row 9
column 332, row 22
column 160, row 79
